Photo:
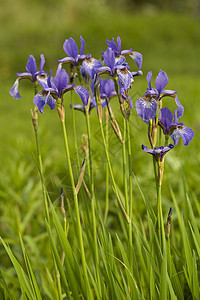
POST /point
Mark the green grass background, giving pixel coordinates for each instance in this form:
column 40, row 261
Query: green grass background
column 167, row 40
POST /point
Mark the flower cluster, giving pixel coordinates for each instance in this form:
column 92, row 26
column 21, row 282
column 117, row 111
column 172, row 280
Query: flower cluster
column 95, row 92
column 149, row 109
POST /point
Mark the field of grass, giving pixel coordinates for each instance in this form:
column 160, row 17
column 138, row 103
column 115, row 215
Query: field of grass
column 168, row 41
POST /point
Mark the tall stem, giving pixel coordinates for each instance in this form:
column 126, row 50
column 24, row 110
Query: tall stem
column 107, row 169
column 93, row 206
column 161, row 232
column 124, row 168
column 130, row 190
column 110, row 169
column 79, row 229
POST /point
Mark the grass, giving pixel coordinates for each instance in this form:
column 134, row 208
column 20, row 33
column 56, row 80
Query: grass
column 167, row 41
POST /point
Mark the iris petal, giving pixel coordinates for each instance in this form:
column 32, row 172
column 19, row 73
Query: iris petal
column 146, row 109
column 14, row 92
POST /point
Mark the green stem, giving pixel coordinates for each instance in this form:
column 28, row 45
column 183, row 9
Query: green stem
column 79, row 229
column 161, row 232
column 74, row 129
column 93, row 201
column 110, row 170
column 107, row 169
column 130, row 189
column 124, row 168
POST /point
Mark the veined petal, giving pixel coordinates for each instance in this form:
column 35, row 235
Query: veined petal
column 111, row 44
column 109, row 58
column 91, row 65
column 83, row 94
column 119, row 44
column 149, row 76
column 51, row 101
column 31, row 65
column 146, row 109
column 82, row 45
column 165, row 118
column 137, row 57
column 40, row 101
column 61, row 80
column 125, row 77
column 185, row 132
column 66, row 60
column 14, row 90
column 25, row 75
column 180, row 108
column 161, row 81
column 42, row 62
column 70, row 47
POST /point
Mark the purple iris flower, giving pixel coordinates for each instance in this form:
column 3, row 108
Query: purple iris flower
column 107, row 91
column 173, row 128
column 158, row 152
column 146, row 106
column 32, row 74
column 136, row 56
column 90, row 67
column 53, row 89
column 116, row 66
column 70, row 47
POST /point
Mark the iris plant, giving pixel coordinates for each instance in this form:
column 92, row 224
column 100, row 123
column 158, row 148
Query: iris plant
column 173, row 128
column 33, row 74
column 146, row 106
column 74, row 56
column 158, row 152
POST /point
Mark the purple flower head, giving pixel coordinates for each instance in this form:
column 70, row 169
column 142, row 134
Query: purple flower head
column 116, row 66
column 146, row 106
column 85, row 98
column 116, row 47
column 158, row 152
column 32, row 74
column 90, row 67
column 53, row 89
column 74, row 56
column 173, row 128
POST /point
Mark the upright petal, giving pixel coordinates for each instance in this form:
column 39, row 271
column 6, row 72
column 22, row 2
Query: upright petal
column 109, row 58
column 165, row 118
column 61, row 80
column 161, row 81
column 180, row 108
column 70, row 47
column 31, row 65
column 111, row 44
column 82, row 45
column 83, row 94
column 14, row 92
column 42, row 62
column 149, row 76
column 119, row 44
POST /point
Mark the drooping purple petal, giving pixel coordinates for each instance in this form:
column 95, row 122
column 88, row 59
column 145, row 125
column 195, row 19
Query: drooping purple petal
column 91, row 66
column 40, row 101
column 161, row 81
column 158, row 152
column 185, row 132
column 145, row 149
column 109, row 58
column 31, row 66
column 137, row 57
column 70, row 47
column 125, row 77
column 67, row 60
column 83, row 94
column 82, row 45
column 25, row 75
column 14, row 92
column 50, row 101
column 146, row 108
column 180, row 108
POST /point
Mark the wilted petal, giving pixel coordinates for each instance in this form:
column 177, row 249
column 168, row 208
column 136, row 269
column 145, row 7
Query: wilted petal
column 14, row 90
column 83, row 94
column 137, row 57
column 31, row 65
column 146, row 109
column 161, row 81
column 70, row 47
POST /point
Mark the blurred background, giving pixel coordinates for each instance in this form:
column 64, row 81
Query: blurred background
column 167, row 33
